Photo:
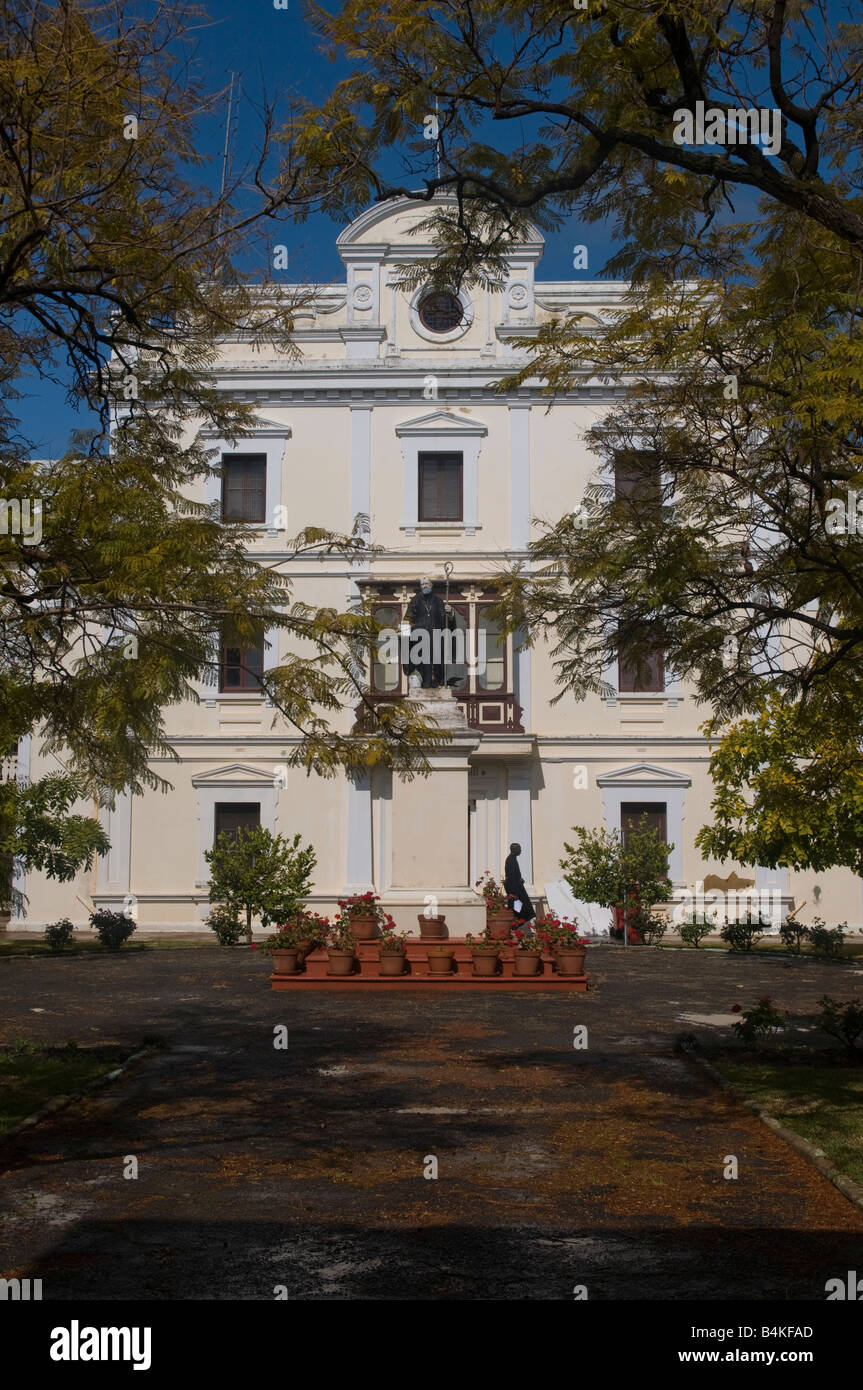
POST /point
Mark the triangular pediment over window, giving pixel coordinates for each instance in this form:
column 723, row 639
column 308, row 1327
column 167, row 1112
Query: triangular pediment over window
column 234, row 775
column 441, row 422
column 643, row 775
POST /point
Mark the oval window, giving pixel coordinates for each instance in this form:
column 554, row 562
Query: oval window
column 440, row 312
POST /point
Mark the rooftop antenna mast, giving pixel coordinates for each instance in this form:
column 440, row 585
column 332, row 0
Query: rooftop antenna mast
column 438, row 142
column 227, row 137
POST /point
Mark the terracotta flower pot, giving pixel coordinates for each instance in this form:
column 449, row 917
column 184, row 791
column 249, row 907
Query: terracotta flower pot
column 305, row 948
column 485, row 962
column 432, row 928
column 570, row 960
column 341, row 962
column 286, row 961
column 392, row 962
column 500, row 924
column 363, row 928
column 440, row 965
column 527, row 963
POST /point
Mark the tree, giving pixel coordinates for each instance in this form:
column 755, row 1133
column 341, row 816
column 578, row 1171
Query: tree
column 620, row 872
column 739, row 344
column 118, row 275
column 260, row 874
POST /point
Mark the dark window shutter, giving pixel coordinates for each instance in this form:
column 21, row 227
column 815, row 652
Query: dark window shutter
column 440, row 487
column 244, row 487
column 232, row 816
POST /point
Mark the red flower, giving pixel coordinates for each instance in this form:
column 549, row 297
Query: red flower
column 252, row 946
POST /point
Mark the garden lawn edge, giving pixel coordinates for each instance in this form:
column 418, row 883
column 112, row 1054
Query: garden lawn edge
column 847, row 1186
column 58, row 1103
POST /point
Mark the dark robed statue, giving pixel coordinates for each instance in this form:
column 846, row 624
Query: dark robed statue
column 430, row 619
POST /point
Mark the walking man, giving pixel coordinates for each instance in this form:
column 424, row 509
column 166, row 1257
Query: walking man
column 513, row 885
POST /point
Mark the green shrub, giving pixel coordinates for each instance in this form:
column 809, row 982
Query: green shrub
column 841, row 1021
column 651, row 925
column 757, row 1022
column 59, row 934
column 742, row 935
column 827, row 941
column 112, row 928
column 793, row 934
column 692, row 930
column 225, row 922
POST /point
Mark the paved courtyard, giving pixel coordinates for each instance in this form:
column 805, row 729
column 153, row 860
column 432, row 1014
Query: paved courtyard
column 304, row 1167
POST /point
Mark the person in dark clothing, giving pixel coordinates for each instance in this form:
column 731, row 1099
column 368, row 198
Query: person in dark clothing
column 513, row 884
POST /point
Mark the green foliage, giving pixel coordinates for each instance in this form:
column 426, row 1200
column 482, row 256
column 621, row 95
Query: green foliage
column 39, row 829
column 843, row 1021
column 740, row 346
column 651, row 926
column 759, row 1021
column 112, row 928
column 693, row 929
column 827, row 941
column 121, row 275
column 742, row 934
column 59, row 934
column 793, row 934
column 602, row 869
column 224, row 920
column 260, row 874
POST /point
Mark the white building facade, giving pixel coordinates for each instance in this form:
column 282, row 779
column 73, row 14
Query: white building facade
column 391, row 413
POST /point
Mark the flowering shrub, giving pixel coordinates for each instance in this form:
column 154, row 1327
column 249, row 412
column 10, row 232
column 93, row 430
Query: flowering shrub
column 793, row 934
column 310, row 926
column 363, row 905
column 693, row 929
column 757, row 1022
column 59, row 934
column 827, row 941
column 395, row 941
column 741, row 935
column 225, row 922
column 340, row 937
column 287, row 938
column 566, row 935
column 112, row 928
column 529, row 941
column 496, row 899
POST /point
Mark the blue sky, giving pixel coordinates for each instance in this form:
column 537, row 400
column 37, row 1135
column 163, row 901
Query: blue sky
column 274, row 51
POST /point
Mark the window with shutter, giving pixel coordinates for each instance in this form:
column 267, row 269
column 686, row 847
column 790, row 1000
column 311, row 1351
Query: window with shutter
column 241, row 668
column 637, row 477
column 232, row 816
column 440, row 487
column 244, row 487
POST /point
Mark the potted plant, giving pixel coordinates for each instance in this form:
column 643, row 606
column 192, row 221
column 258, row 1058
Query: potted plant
column 311, row 930
column 528, row 952
column 284, row 947
column 341, row 949
column 485, row 950
column 393, row 945
column 569, row 949
column 432, row 925
column 362, row 914
column 440, row 960
column 499, row 916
